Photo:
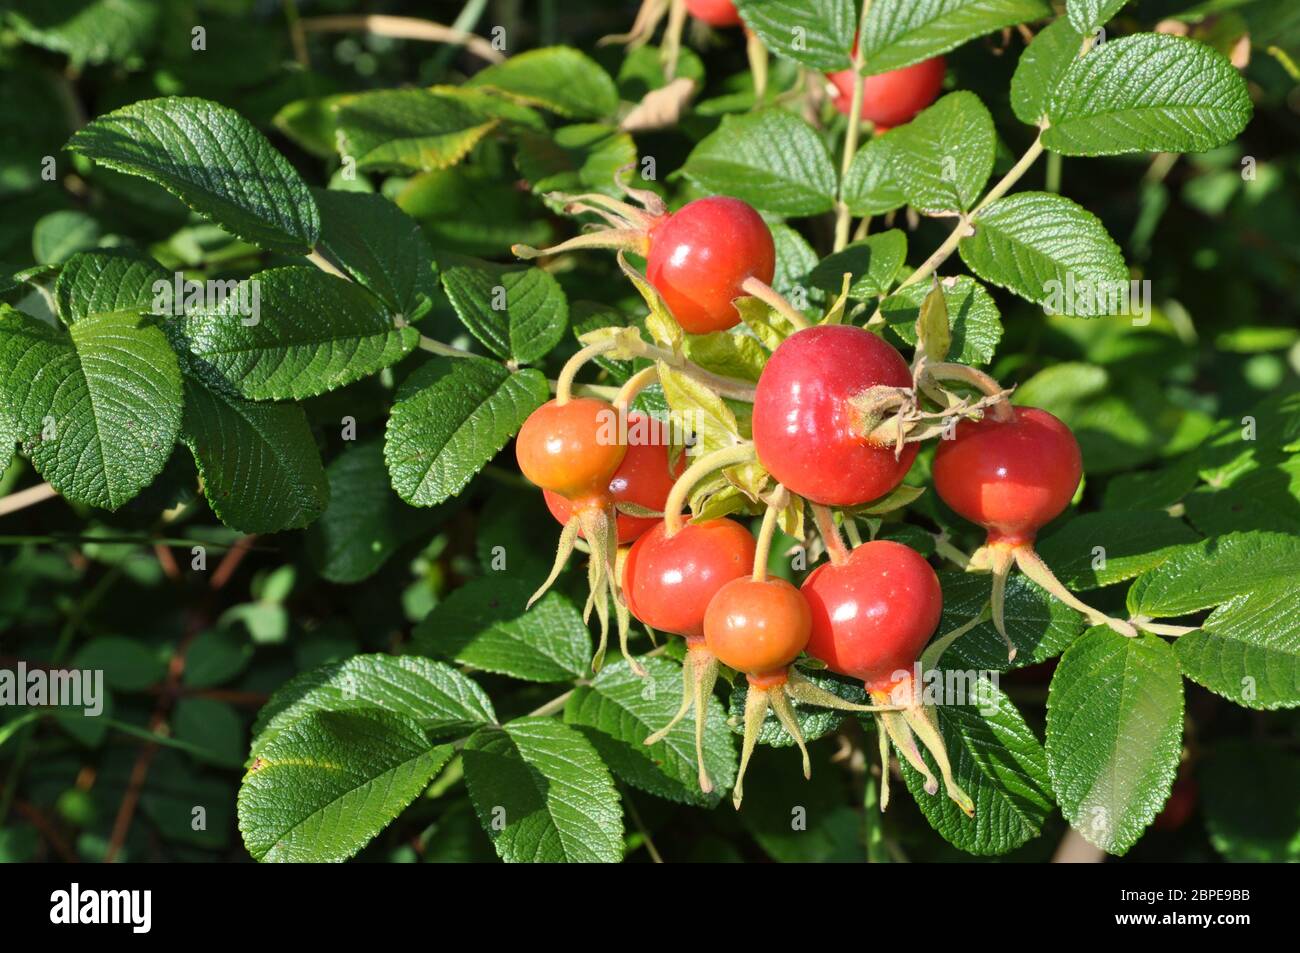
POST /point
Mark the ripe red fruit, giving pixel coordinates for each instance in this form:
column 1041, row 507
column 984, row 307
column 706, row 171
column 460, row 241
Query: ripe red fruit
column 571, row 448
column 873, row 613
column 758, row 627
column 1011, row 477
column 669, row 581
column 893, row 98
column 719, row 13
column 700, row 256
column 644, row 478
column 805, row 429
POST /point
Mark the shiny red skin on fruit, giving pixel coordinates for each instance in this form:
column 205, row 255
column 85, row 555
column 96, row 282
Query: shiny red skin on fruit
column 893, row 98
column 572, row 448
column 1011, row 478
column 643, row 478
column 669, row 581
column 719, row 13
column 757, row 627
column 702, row 253
column 873, row 614
column 803, row 422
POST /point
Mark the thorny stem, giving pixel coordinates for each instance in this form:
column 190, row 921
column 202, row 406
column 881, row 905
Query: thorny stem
column 717, row 460
column 775, row 300
column 842, row 216
column 835, row 547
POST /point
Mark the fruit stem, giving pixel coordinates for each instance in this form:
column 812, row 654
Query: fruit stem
column 835, row 547
column 1032, row 565
column 635, row 384
column 843, row 218
column 763, row 548
column 774, row 299
column 564, row 383
column 947, row 371
column 405, row 28
column 718, row 459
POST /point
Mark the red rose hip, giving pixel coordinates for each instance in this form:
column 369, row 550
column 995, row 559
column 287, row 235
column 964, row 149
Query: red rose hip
column 893, row 98
column 805, row 427
column 702, row 254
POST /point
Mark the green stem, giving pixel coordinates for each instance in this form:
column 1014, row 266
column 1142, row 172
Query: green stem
column 717, row 460
column 763, row 547
column 443, row 350
column 842, row 215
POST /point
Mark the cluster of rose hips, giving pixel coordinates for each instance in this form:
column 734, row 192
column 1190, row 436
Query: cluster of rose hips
column 870, row 610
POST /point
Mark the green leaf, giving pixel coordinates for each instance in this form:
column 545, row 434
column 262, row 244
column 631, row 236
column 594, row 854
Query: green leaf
column 365, row 522
column 271, row 339
column 60, row 235
column 871, row 186
column 215, row 657
column 619, row 709
column 900, row 34
column 1248, row 650
column 943, row 157
column 794, row 259
column 1039, row 626
column 816, row 33
column 485, row 624
column 410, row 130
column 1040, row 246
column 731, row 355
column 1041, row 66
column 1131, row 542
column 1215, row 570
column 8, row 439
column 1114, row 734
column 873, row 262
column 542, row 794
column 1147, row 93
column 1086, row 16
column 771, row 159
column 88, row 32
column 100, row 282
column 259, row 464
column 1266, row 498
column 327, row 784
column 214, row 161
column 997, row 760
column 127, row 665
column 583, row 157
column 212, row 726
column 451, row 420
column 1248, row 798
column 973, row 317
column 517, row 312
column 557, row 78
column 435, row 696
column 97, row 410
column 379, row 245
